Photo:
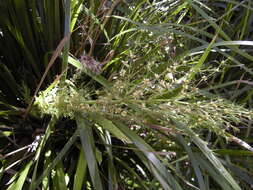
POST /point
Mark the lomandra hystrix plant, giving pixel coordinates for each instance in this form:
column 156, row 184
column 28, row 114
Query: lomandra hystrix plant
column 145, row 98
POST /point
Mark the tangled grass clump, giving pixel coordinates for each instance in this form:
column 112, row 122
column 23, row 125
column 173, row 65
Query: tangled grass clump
column 145, row 97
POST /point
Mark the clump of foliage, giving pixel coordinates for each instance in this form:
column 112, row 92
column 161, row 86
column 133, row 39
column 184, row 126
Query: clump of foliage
column 145, row 96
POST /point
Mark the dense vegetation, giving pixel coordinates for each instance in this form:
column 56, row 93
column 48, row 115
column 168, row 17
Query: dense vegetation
column 122, row 94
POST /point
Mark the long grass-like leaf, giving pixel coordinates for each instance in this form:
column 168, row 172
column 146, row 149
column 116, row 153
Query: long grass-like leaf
column 194, row 162
column 76, row 9
column 80, row 171
column 46, row 180
column 67, row 29
column 58, row 158
column 59, row 178
column 216, row 175
column 40, row 148
column 18, row 184
column 201, row 61
column 87, row 140
column 133, row 173
column 209, row 155
column 161, row 172
column 108, row 125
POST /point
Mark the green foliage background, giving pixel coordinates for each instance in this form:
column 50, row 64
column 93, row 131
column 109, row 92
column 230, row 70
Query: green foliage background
column 142, row 95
